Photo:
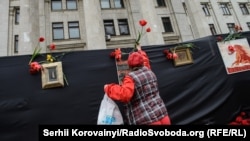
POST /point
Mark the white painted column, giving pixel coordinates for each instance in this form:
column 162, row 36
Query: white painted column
column 29, row 26
column 4, row 26
column 145, row 9
column 95, row 35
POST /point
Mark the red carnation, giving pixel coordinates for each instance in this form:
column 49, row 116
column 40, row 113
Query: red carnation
column 41, row 39
column 148, row 29
column 52, row 46
column 143, row 22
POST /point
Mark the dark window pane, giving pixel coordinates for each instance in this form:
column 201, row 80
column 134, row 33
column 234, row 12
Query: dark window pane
column 167, row 24
column 109, row 27
column 161, row 3
column 17, row 15
column 56, row 4
column 16, row 44
column 123, row 27
column 58, row 31
column 71, row 4
column 74, row 30
column 119, row 4
column 105, row 4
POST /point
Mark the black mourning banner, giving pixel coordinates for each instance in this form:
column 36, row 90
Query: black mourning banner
column 201, row 93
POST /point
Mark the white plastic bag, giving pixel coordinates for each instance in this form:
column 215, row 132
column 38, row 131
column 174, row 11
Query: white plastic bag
column 109, row 113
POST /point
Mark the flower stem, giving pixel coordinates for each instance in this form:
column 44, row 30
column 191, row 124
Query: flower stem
column 65, row 79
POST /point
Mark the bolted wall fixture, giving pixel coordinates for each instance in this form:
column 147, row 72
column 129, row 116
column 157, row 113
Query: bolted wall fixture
column 107, row 37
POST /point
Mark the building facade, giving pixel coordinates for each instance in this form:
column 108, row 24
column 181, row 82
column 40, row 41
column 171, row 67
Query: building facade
column 100, row 24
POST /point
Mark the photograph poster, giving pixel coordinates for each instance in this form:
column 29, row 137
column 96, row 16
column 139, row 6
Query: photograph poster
column 235, row 55
column 122, row 69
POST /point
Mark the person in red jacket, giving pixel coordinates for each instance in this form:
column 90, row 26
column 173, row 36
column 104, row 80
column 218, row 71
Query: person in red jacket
column 140, row 93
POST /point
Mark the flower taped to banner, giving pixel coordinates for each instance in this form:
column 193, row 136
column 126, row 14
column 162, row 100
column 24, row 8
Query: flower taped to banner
column 51, row 67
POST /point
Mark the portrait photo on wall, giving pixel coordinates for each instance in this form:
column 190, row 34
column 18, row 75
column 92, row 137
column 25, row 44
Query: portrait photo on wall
column 235, row 55
column 122, row 69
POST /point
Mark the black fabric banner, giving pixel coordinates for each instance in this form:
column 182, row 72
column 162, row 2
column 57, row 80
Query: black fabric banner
column 198, row 93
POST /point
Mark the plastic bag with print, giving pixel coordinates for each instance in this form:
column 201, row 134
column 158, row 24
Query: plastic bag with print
column 109, row 113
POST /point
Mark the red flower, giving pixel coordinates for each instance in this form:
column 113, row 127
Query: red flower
column 170, row 55
column 141, row 33
column 52, row 46
column 242, row 119
column 238, row 119
column 237, row 28
column 245, row 122
column 231, row 49
column 148, row 29
column 143, row 22
column 35, row 67
column 117, row 54
column 41, row 39
column 175, row 55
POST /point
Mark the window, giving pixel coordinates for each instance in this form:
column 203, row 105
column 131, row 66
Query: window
column 119, row 4
column 58, row 31
column 74, row 30
column 161, row 3
column 212, row 29
column 205, row 9
column 71, row 4
column 109, row 27
column 231, row 27
column 123, row 27
column 17, row 15
column 248, row 25
column 16, row 44
column 244, row 9
column 105, row 4
column 167, row 24
column 56, row 4
column 225, row 9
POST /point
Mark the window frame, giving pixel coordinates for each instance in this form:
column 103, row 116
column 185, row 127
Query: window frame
column 67, row 4
column 205, row 8
column 55, row 28
column 109, row 23
column 123, row 24
column 161, row 3
column 225, row 9
column 17, row 15
column 231, row 27
column 244, row 9
column 56, row 2
column 212, row 29
column 121, row 4
column 248, row 25
column 102, row 3
column 70, row 27
column 16, row 43
column 166, row 22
